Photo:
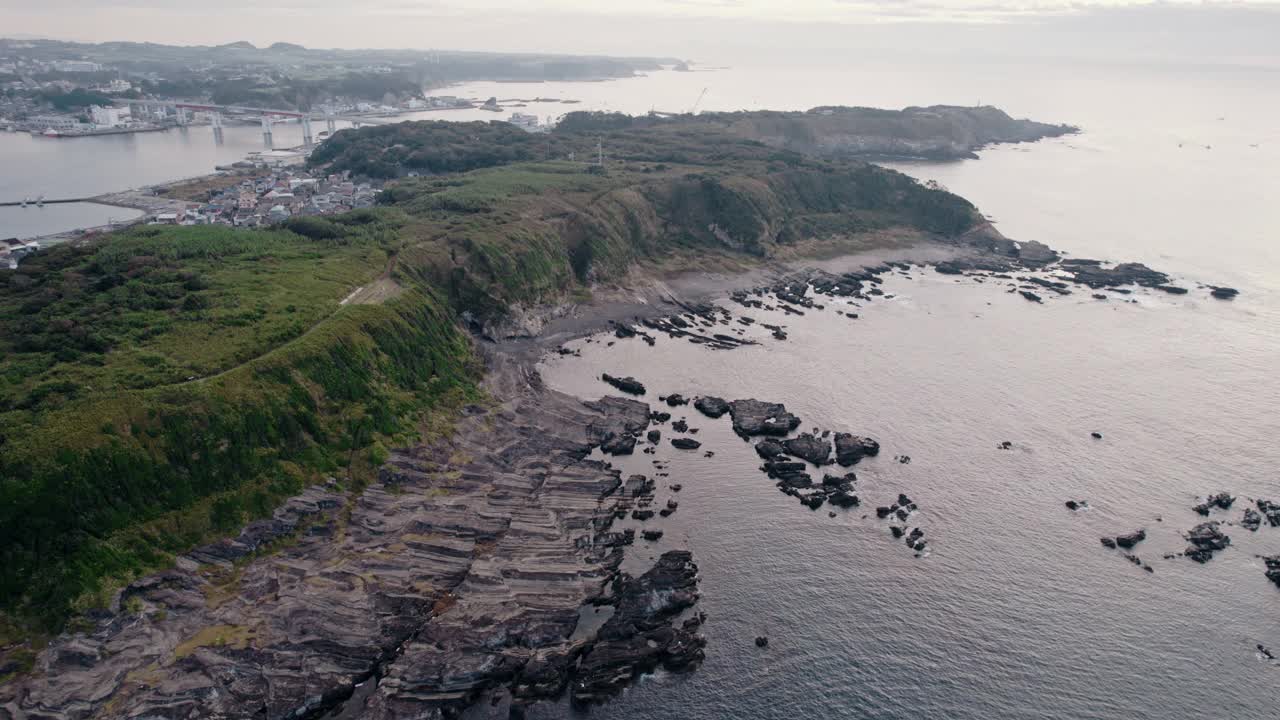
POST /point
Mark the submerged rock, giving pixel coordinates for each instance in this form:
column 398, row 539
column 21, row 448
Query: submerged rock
column 1128, row 540
column 683, row 443
column 627, row 385
column 1224, row 293
column 1273, row 569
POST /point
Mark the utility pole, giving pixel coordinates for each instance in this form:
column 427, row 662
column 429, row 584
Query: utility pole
column 599, row 152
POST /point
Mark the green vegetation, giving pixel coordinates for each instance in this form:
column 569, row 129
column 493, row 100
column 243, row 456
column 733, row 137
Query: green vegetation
column 77, row 99
column 163, row 386
column 111, row 461
column 434, row 147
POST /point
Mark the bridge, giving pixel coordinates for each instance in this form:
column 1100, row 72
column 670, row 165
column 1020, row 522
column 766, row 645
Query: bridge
column 183, row 109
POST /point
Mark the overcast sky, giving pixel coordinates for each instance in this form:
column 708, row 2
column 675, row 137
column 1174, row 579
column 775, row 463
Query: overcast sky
column 710, row 30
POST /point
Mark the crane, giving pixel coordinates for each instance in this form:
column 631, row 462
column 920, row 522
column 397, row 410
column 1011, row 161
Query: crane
column 698, row 102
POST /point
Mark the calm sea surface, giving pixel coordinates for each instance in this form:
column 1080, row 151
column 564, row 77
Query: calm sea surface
column 1018, row 611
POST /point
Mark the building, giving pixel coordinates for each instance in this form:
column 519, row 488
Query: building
column 60, row 123
column 106, row 117
column 75, row 66
column 525, row 121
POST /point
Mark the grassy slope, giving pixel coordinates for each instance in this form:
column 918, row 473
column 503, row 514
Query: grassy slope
column 111, row 461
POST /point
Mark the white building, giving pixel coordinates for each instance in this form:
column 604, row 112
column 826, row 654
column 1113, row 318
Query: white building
column 525, row 121
column 75, row 66
column 61, row 123
column 106, row 116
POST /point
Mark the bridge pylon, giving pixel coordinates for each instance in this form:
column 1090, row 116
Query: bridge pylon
column 266, row 132
column 307, row 138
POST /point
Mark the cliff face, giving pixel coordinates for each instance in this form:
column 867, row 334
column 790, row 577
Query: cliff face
column 939, row 132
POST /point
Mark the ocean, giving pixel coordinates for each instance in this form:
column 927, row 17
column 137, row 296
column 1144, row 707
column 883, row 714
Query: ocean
column 1016, row 611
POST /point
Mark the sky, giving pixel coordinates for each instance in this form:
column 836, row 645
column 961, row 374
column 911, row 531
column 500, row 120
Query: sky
column 1245, row 32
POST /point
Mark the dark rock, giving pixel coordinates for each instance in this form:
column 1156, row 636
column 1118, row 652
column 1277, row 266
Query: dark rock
column 762, row 641
column 680, row 426
column 1096, row 435
column 654, row 436
column 637, row 486
column 1109, row 542
column 1252, row 520
column 1096, row 276
column 754, row 417
column 1206, row 539
column 627, row 385
column 618, row 444
column 1172, row 289
column 712, row 407
column 1273, row 574
column 1221, row 500
column 809, row 447
column 676, row 487
column 897, row 530
column 639, row 637
column 1271, row 511
column 1076, row 504
column 685, row 443
column 852, row 448
column 843, row 498
column 845, row 481
column 770, row 449
column 813, row 501
column 641, row 514
column 1225, row 293
column 883, row 512
column 676, row 400
column 1006, row 445
column 1030, row 296
column 659, row 417
column 1129, row 540
column 651, row 535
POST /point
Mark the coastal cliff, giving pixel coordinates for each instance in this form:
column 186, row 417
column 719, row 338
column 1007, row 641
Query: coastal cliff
column 254, row 367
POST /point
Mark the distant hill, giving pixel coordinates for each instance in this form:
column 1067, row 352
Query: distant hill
column 242, row 45
column 285, row 47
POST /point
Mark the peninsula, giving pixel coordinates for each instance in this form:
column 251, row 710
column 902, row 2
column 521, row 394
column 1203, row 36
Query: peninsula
column 289, row 471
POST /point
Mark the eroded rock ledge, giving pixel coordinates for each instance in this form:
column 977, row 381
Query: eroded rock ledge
column 459, row 574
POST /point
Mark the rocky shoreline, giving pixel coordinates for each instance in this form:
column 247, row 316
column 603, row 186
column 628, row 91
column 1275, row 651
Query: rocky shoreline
column 458, row 576
column 458, row 579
